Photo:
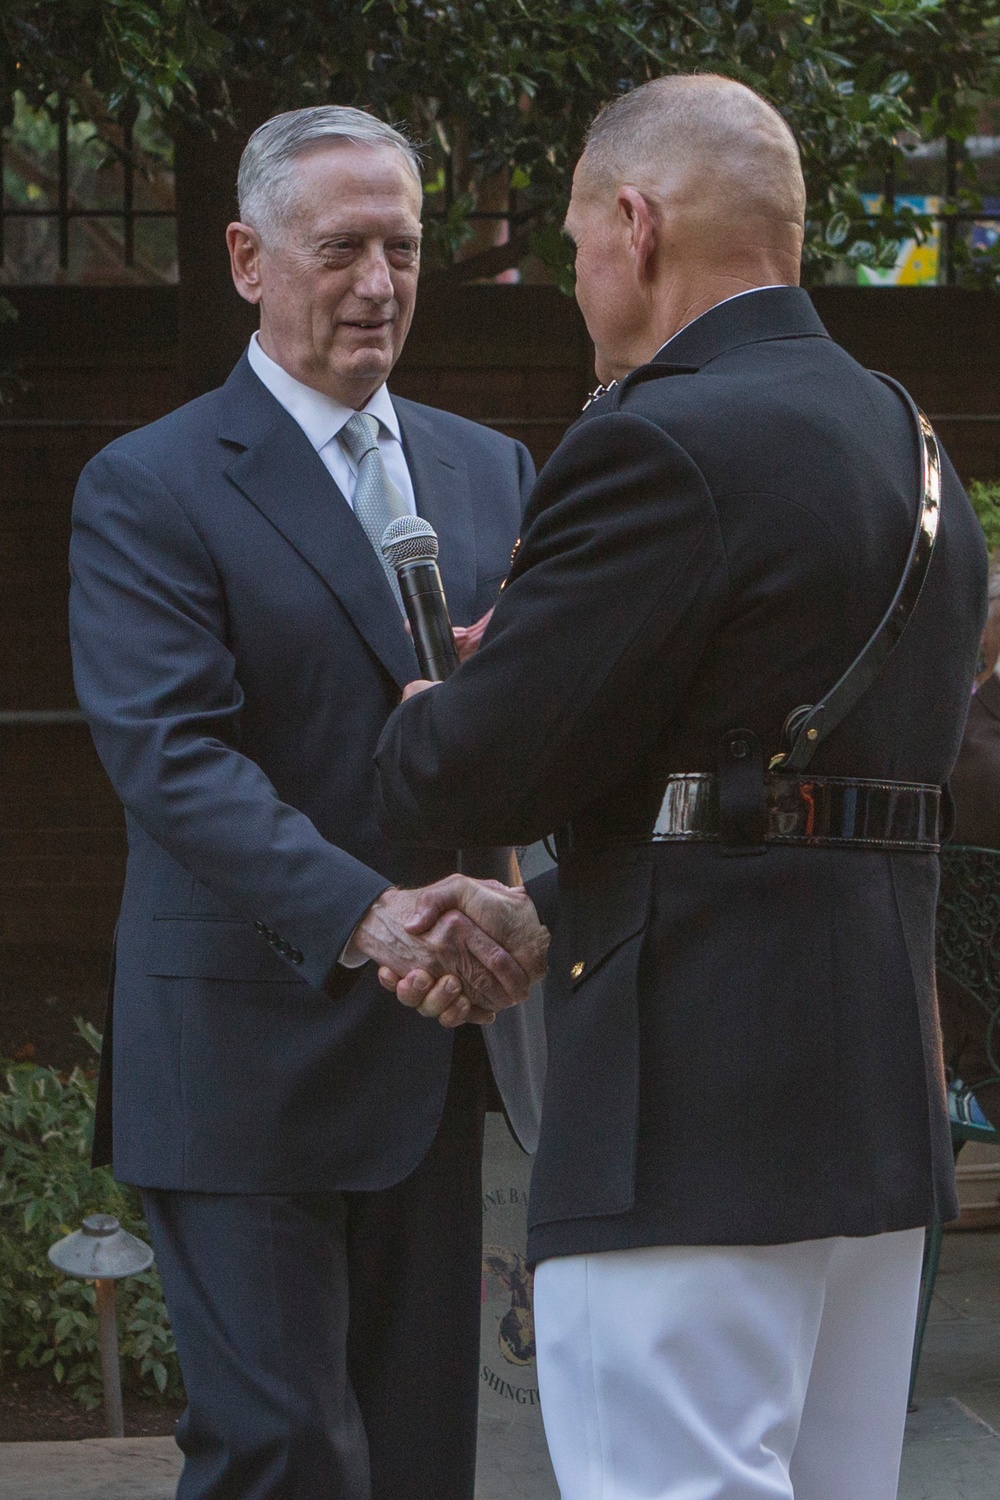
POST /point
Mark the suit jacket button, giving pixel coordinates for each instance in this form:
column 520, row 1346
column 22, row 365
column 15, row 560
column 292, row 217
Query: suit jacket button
column 259, row 927
column 295, row 956
column 282, row 945
column 577, row 970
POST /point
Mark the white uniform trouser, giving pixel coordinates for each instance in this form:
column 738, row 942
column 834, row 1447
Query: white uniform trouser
column 728, row 1373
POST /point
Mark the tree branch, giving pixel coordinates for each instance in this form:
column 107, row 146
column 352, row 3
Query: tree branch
column 486, row 263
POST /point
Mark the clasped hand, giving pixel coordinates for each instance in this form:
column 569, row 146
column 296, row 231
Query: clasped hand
column 460, row 950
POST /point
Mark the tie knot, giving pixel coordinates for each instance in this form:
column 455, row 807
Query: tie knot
column 359, row 435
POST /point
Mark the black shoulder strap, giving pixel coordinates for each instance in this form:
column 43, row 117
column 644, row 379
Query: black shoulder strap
column 808, row 726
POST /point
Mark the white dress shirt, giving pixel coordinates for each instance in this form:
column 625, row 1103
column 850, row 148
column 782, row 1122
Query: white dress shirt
column 321, row 419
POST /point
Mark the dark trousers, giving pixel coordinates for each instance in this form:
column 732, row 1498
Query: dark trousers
column 329, row 1342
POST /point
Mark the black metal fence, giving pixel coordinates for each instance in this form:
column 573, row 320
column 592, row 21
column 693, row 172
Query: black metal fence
column 49, row 196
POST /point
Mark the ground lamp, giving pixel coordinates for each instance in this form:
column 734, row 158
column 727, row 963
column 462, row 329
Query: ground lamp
column 103, row 1252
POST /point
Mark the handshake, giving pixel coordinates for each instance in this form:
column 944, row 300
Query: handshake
column 457, row 951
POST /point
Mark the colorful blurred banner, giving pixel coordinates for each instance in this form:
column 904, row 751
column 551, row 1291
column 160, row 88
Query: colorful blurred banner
column 986, row 232
column 916, row 265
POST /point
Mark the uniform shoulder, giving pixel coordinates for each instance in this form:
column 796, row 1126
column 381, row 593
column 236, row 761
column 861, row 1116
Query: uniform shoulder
column 766, row 391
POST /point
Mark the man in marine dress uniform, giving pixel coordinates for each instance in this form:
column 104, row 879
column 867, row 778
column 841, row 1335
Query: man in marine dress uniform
column 744, row 1129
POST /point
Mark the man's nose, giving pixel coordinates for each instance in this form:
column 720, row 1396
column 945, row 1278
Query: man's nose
column 374, row 282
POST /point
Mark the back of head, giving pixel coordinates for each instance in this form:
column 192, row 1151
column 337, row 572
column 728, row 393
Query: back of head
column 701, row 139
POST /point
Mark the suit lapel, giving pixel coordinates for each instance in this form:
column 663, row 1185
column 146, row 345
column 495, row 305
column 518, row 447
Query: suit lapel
column 441, row 487
column 285, row 479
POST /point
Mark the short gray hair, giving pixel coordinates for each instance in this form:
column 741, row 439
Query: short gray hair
column 266, row 181
column 739, row 133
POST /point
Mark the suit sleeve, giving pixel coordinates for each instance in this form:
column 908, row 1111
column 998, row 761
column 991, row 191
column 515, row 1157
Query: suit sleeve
column 613, row 596
column 158, row 685
column 525, row 475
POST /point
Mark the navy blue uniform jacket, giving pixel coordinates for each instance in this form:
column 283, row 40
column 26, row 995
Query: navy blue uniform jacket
column 741, row 1050
column 237, row 651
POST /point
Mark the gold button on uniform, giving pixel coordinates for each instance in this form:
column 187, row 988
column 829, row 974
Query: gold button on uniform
column 576, row 970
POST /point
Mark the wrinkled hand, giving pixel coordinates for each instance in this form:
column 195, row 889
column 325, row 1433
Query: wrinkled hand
column 404, row 933
column 505, row 913
column 467, row 637
column 418, row 685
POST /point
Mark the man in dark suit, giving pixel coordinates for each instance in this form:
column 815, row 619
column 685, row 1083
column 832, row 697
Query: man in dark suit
column 308, row 1150
column 744, row 1127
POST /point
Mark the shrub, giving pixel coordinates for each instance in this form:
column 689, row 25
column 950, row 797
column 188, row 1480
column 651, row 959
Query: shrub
column 985, row 497
column 47, row 1187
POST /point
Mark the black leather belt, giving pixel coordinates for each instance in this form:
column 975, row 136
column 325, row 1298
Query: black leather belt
column 814, row 812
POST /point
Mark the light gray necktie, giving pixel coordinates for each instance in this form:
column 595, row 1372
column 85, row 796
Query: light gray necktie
column 376, row 499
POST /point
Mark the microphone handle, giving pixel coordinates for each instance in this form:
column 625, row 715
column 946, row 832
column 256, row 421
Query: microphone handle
column 427, row 611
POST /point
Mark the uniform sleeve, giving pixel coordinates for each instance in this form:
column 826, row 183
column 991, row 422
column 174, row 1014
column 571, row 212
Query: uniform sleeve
column 614, row 593
column 158, row 685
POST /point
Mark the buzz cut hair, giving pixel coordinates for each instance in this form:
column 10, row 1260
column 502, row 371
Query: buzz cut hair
column 726, row 125
column 265, row 184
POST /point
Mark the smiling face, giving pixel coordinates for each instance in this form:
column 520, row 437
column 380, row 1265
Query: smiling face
column 336, row 283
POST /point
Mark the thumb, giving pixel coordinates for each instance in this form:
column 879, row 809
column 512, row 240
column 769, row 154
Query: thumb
column 432, row 902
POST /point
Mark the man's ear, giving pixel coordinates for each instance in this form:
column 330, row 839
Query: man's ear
column 244, row 261
column 637, row 217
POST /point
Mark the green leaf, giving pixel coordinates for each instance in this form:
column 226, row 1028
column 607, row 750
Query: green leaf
column 34, row 1212
column 837, row 229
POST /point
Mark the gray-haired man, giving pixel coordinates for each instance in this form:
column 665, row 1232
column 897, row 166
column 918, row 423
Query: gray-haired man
column 307, row 1150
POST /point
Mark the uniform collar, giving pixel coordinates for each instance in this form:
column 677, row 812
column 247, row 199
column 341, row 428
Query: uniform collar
column 773, row 312
column 320, row 417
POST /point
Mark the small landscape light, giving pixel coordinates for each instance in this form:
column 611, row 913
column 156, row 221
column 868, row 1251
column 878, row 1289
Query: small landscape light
column 103, row 1252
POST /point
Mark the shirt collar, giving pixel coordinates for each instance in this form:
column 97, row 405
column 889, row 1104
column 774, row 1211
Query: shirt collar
column 320, row 417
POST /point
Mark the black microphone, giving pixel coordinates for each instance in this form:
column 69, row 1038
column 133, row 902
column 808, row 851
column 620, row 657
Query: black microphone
column 410, row 544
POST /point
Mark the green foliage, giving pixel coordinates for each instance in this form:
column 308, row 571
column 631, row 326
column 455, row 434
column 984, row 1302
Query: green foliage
column 47, row 1187
column 985, row 497
column 508, row 87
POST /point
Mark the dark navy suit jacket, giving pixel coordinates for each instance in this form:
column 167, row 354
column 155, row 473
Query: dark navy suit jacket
column 237, row 651
column 741, row 1050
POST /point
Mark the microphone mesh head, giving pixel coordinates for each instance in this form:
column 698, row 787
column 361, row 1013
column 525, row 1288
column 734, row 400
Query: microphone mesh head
column 409, row 539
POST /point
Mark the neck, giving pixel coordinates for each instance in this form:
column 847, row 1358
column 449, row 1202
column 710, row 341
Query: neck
column 675, row 301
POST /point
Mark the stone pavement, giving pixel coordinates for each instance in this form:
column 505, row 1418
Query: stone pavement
column 952, row 1447
column 94, row 1469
